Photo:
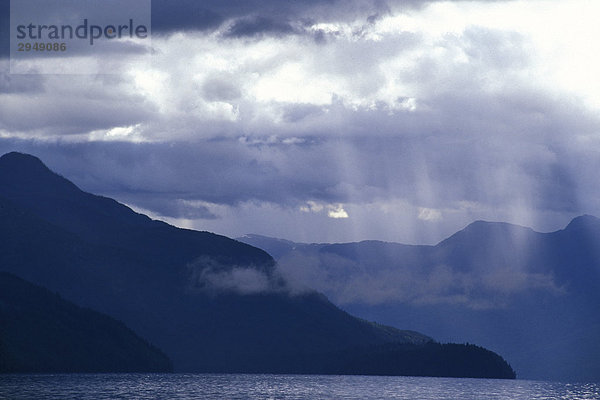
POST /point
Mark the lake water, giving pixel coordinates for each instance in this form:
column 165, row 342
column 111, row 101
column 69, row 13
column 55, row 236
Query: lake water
column 215, row 386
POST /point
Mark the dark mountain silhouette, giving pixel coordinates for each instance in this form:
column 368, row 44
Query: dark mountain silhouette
column 211, row 303
column 28, row 183
column 431, row 359
column 530, row 296
column 41, row 332
column 276, row 247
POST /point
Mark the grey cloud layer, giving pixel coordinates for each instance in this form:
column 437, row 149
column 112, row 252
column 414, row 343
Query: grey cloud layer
column 252, row 17
column 428, row 169
column 445, row 128
column 476, row 136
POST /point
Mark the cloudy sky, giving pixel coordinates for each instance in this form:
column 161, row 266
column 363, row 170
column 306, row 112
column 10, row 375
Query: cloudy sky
column 332, row 120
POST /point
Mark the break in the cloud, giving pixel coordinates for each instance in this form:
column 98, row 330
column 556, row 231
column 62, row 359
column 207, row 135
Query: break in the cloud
column 335, row 211
column 402, row 121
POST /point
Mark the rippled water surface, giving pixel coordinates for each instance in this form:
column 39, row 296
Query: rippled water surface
column 211, row 386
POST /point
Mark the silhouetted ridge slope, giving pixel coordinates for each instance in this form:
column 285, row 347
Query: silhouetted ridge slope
column 487, row 232
column 26, row 181
column 431, row 359
column 276, row 247
column 586, row 220
column 27, row 171
column 212, row 304
column 531, row 296
column 41, row 332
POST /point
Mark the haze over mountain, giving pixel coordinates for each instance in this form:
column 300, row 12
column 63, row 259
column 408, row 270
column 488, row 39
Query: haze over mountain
column 530, row 296
column 210, row 302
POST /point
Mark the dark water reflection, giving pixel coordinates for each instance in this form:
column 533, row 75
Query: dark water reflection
column 213, row 386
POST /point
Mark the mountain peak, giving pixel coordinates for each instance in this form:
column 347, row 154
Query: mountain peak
column 24, row 173
column 22, row 162
column 583, row 221
column 486, row 230
column 481, row 223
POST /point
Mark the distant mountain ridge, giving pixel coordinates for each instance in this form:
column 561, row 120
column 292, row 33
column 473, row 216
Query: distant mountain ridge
column 530, row 296
column 211, row 303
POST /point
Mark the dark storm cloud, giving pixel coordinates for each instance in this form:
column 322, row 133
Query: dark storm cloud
column 4, row 28
column 257, row 26
column 190, row 15
column 50, row 12
column 66, row 105
column 269, row 16
column 459, row 144
column 183, row 15
column 83, row 115
column 222, row 172
column 254, row 17
column 430, row 164
column 230, row 134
